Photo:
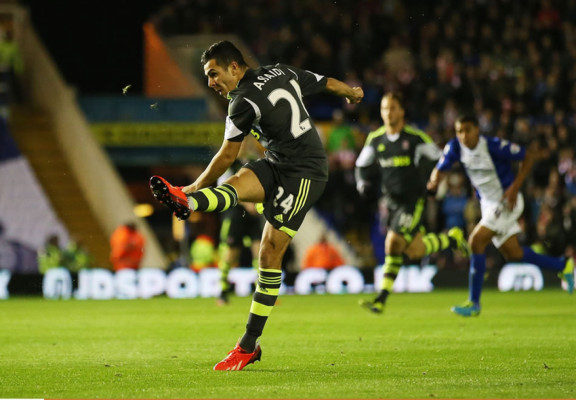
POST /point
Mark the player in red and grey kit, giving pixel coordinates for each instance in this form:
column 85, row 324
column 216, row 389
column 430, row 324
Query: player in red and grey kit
column 265, row 102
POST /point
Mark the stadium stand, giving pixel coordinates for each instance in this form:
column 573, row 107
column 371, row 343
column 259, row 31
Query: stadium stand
column 85, row 189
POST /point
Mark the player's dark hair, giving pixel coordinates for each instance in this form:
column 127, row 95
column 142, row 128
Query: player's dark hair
column 395, row 96
column 223, row 52
column 462, row 118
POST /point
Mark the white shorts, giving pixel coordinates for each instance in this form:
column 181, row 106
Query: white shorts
column 497, row 218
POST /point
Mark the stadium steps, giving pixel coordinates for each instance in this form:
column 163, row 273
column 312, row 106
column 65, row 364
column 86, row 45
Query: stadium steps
column 37, row 140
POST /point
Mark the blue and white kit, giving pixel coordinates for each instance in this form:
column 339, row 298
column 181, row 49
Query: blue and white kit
column 489, row 168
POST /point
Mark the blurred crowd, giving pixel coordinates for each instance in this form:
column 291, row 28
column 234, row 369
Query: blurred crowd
column 11, row 66
column 512, row 62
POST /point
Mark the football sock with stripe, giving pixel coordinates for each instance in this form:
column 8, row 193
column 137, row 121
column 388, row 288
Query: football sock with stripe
column 437, row 242
column 224, row 267
column 392, row 266
column 265, row 296
column 542, row 261
column 476, row 277
column 213, row 199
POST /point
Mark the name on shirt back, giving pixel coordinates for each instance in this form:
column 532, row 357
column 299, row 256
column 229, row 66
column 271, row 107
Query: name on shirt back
column 262, row 79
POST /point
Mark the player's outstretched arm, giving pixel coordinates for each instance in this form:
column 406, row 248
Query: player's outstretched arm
column 353, row 94
column 436, row 177
column 218, row 165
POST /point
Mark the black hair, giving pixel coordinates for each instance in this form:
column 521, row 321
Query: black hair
column 224, row 52
column 462, row 118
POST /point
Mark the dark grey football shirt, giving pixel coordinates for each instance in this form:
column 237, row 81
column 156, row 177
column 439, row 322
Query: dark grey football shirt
column 399, row 156
column 267, row 103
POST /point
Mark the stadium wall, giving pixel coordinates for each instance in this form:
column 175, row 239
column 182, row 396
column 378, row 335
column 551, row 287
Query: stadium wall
column 101, row 284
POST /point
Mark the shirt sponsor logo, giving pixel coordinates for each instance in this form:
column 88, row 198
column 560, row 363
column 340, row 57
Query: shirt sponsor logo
column 400, row 161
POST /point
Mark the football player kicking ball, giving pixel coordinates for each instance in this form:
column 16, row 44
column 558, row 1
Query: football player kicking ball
column 488, row 164
column 265, row 102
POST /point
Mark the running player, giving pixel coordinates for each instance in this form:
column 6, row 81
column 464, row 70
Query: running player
column 397, row 151
column 488, row 163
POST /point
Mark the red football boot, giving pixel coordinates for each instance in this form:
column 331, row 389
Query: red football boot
column 172, row 196
column 237, row 359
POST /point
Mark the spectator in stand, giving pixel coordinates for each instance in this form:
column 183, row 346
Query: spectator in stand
column 203, row 253
column 454, row 202
column 51, row 255
column 569, row 223
column 76, row 257
column 341, row 137
column 127, row 247
column 10, row 67
column 322, row 255
column 550, row 232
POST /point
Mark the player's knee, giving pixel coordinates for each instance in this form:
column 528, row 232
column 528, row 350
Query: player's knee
column 395, row 243
column 415, row 252
column 512, row 254
column 477, row 247
column 409, row 253
column 478, row 243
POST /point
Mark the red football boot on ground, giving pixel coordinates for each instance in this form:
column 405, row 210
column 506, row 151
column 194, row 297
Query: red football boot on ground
column 172, row 196
column 237, row 359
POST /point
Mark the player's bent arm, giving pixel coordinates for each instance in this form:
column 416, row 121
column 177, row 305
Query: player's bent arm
column 366, row 171
column 429, row 150
column 436, row 177
column 364, row 184
column 526, row 166
column 221, row 161
column 339, row 88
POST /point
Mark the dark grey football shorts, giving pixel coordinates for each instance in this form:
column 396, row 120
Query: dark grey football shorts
column 287, row 199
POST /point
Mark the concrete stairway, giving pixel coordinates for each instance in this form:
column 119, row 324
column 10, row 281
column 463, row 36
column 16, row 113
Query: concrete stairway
column 34, row 133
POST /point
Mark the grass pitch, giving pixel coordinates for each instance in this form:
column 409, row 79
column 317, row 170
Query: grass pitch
column 523, row 345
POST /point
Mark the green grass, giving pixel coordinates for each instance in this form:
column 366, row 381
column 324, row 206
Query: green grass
column 522, row 346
